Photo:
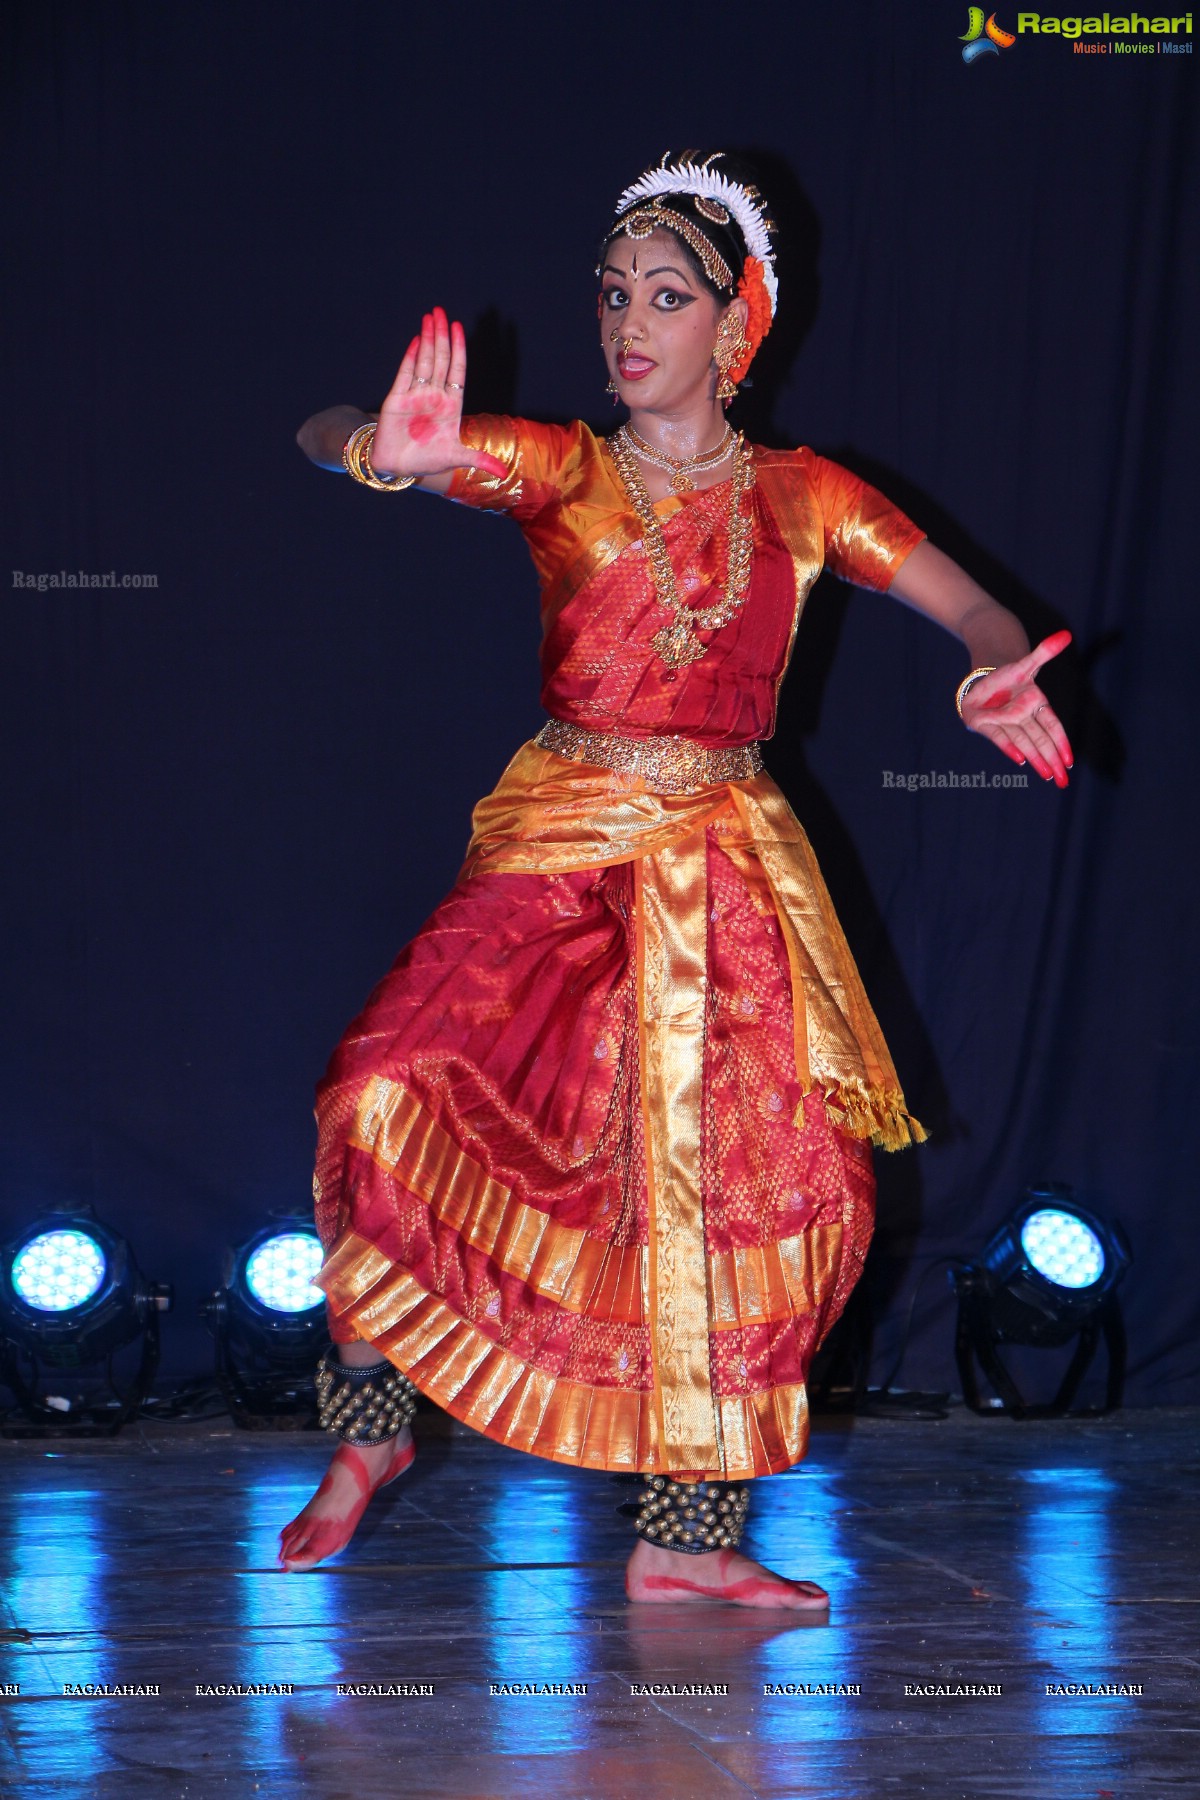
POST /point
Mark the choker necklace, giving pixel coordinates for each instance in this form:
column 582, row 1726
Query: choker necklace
column 680, row 469
column 677, row 642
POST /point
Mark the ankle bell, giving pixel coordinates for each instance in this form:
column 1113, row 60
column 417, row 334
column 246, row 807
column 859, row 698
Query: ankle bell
column 363, row 1404
column 692, row 1516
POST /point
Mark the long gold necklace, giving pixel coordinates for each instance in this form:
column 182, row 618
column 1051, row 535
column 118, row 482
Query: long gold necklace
column 680, row 468
column 677, row 643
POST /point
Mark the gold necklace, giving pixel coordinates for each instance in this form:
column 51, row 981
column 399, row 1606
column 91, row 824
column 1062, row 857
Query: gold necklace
column 677, row 642
column 682, row 468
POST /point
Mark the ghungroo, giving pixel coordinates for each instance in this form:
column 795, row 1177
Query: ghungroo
column 692, row 1516
column 363, row 1404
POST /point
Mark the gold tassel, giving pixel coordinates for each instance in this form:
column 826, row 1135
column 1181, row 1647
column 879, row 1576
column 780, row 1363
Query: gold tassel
column 868, row 1113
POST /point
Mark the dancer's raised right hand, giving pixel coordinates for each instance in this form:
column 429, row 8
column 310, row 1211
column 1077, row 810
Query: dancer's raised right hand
column 420, row 421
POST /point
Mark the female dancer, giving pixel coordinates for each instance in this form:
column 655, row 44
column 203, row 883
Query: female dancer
column 594, row 1161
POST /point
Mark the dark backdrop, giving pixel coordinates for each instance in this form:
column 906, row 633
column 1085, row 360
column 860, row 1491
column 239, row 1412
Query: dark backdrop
column 232, row 797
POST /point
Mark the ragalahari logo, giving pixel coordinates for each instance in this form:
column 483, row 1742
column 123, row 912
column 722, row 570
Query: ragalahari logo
column 983, row 38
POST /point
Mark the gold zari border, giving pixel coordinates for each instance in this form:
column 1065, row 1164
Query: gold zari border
column 751, row 1285
column 560, row 1262
column 492, row 1391
column 672, row 927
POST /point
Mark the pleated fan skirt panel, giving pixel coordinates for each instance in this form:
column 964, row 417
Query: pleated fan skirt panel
column 559, row 1178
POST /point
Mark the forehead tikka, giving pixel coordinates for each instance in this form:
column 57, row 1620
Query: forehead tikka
column 654, row 216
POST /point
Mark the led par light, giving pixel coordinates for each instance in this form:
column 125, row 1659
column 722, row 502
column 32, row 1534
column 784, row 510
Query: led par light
column 71, row 1296
column 269, row 1322
column 1048, row 1275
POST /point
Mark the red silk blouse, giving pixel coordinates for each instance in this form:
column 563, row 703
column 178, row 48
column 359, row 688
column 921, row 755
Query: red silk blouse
column 599, row 606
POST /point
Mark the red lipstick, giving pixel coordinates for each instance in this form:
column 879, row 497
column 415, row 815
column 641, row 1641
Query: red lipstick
column 635, row 368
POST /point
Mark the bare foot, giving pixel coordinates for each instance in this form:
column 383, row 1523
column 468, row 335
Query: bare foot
column 328, row 1522
column 653, row 1573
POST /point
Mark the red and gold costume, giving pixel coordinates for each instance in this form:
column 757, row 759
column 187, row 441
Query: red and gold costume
column 594, row 1161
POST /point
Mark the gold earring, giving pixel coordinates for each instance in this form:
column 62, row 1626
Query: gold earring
column 612, row 389
column 731, row 341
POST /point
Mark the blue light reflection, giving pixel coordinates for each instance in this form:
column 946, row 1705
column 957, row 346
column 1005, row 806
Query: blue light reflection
column 1068, row 1562
column 541, row 1521
column 798, row 1531
column 57, row 1590
column 288, row 1631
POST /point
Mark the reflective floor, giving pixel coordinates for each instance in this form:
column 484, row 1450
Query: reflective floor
column 963, row 1553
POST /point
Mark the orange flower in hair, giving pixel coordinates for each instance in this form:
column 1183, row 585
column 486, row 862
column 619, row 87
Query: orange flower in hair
column 752, row 287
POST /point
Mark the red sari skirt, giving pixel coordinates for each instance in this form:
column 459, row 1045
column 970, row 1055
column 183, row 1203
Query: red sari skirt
column 570, row 1178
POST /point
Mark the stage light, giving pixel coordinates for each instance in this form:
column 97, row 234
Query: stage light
column 1049, row 1274
column 1063, row 1248
column 269, row 1323
column 71, row 1296
column 57, row 1270
column 270, row 1301
column 279, row 1272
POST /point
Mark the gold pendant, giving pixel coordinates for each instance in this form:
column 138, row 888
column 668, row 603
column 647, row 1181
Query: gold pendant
column 678, row 645
column 681, row 482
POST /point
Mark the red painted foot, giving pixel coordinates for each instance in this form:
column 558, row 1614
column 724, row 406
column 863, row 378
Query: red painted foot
column 331, row 1517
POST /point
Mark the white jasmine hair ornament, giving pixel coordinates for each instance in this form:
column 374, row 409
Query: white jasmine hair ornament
column 712, row 189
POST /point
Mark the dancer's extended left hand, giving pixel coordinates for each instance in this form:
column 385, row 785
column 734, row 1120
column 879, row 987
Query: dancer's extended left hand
column 1009, row 707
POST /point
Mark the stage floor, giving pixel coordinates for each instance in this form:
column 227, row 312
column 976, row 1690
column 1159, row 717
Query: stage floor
column 967, row 1552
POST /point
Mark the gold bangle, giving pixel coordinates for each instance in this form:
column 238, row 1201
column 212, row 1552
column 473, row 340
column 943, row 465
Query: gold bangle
column 965, row 683
column 356, row 455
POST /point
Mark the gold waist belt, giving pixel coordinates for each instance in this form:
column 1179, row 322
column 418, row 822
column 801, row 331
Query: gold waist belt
column 667, row 765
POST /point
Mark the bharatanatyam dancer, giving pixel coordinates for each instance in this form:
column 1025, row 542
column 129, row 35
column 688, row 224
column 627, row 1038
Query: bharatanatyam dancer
column 594, row 1165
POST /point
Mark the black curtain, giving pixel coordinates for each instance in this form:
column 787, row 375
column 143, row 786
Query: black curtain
column 231, row 796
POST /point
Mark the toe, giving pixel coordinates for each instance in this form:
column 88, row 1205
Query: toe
column 294, row 1540
column 297, row 1555
column 806, row 1596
